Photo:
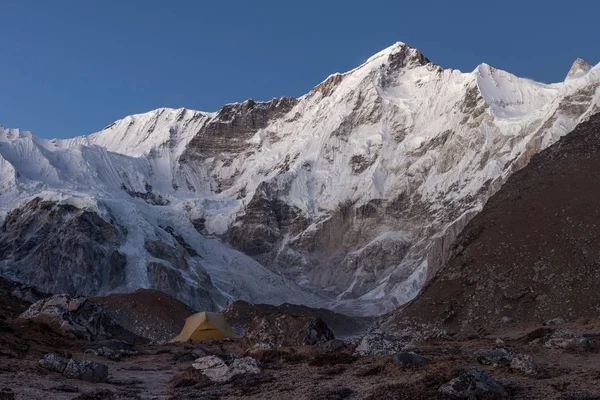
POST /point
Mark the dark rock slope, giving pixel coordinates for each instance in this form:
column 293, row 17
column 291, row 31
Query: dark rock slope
column 60, row 248
column 533, row 253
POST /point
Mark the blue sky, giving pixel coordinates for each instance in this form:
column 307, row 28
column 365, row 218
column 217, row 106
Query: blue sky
column 71, row 67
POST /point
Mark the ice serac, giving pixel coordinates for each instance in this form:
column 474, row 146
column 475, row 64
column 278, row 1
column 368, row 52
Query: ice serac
column 348, row 197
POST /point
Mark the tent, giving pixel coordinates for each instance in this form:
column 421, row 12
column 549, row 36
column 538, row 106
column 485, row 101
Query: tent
column 204, row 326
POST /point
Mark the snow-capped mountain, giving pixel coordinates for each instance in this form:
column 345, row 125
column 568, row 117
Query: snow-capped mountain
column 348, row 197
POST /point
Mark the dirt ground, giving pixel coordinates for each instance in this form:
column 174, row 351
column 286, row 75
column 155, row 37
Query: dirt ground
column 165, row 372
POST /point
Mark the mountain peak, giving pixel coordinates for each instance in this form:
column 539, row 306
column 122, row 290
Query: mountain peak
column 579, row 67
column 400, row 51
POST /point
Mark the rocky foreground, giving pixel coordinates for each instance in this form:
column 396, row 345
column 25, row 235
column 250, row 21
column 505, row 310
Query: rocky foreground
column 64, row 347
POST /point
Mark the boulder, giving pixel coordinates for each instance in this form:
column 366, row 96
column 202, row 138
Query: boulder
column 110, row 349
column 495, row 357
column 567, row 339
column 73, row 369
column 217, row 370
column 288, row 330
column 474, row 384
column 71, row 316
column 76, row 317
column 54, row 363
column 317, row 331
column 86, row 370
column 331, row 346
column 408, row 359
column 506, row 357
column 377, row 343
column 213, row 367
column 245, row 365
column 524, row 363
column 507, row 320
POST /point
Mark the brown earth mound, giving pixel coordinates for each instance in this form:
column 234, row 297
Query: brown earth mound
column 148, row 313
column 533, row 253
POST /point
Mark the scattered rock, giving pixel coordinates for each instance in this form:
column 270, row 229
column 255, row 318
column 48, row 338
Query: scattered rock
column 408, row 359
column 54, row 363
column 376, row 343
column 111, row 349
column 331, row 346
column 473, row 385
column 86, row 370
column 567, row 339
column 555, row 321
column 524, row 363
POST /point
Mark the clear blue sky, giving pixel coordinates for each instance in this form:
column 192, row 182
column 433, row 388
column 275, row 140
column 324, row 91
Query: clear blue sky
column 70, row 67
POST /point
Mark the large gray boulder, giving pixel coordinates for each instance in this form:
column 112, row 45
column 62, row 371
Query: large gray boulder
column 524, row 363
column 568, row 339
column 474, row 384
column 75, row 369
column 495, row 357
column 86, row 370
column 75, row 317
column 217, row 370
column 213, row 367
column 54, row 363
column 506, row 357
column 331, row 346
column 71, row 316
column 378, row 343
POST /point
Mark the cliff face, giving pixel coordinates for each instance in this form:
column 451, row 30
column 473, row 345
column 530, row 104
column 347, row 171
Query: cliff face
column 349, row 197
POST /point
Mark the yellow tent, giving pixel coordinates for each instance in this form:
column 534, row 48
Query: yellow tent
column 204, row 326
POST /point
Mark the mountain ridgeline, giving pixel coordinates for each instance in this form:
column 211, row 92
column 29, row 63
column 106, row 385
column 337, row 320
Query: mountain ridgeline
column 349, row 198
